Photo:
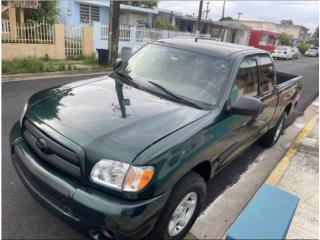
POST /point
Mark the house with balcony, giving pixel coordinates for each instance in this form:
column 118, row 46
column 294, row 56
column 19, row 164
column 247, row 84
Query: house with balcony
column 12, row 16
column 88, row 11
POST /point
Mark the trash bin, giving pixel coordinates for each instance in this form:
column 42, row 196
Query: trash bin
column 103, row 56
column 125, row 53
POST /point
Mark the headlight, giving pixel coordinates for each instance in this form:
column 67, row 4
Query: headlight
column 23, row 113
column 121, row 176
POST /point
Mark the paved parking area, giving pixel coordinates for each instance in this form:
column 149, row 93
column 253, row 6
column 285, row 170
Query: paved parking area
column 22, row 217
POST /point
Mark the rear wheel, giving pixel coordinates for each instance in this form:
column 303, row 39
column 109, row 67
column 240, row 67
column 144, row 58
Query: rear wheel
column 273, row 135
column 182, row 208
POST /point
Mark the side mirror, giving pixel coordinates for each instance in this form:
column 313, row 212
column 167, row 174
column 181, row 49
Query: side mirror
column 117, row 63
column 247, row 106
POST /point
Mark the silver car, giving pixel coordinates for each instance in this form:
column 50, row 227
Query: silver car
column 312, row 52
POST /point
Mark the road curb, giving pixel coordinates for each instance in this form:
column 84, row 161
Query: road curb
column 34, row 76
column 278, row 172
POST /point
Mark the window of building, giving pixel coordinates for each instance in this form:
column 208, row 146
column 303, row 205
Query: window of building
column 89, row 13
column 246, row 83
column 267, row 73
column 266, row 40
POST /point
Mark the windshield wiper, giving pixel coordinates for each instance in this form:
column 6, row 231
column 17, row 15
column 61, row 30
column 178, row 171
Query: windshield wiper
column 123, row 75
column 167, row 91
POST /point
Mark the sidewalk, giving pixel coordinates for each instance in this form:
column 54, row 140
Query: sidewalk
column 215, row 221
column 301, row 179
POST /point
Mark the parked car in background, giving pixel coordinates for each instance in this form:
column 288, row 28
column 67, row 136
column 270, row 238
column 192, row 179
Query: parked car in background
column 128, row 155
column 285, row 52
column 312, row 52
column 296, row 53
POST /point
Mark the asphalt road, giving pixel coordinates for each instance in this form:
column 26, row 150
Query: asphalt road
column 24, row 218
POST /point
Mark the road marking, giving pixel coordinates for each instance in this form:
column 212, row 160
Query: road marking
column 282, row 166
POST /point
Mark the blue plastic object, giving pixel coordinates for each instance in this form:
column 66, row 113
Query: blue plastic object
column 267, row 216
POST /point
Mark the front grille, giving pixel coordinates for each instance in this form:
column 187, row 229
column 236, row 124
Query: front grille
column 51, row 151
column 60, row 202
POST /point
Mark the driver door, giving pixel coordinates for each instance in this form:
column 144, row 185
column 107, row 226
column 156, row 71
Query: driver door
column 242, row 130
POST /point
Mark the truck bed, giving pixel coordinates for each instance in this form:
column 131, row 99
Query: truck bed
column 286, row 79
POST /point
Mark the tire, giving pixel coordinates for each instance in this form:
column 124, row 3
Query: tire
column 190, row 183
column 273, row 135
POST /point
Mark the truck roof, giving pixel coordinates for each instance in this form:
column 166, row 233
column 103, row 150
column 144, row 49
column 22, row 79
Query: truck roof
column 210, row 47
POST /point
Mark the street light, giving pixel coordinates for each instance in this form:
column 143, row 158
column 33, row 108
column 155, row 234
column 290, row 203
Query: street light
column 239, row 13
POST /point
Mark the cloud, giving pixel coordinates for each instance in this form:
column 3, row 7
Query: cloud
column 304, row 13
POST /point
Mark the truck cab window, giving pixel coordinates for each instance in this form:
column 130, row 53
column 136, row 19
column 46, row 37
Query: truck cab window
column 267, row 73
column 246, row 83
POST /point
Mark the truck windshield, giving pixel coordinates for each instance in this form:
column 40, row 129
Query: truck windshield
column 194, row 77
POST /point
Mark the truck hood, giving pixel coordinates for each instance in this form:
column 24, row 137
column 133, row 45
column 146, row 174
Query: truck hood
column 107, row 122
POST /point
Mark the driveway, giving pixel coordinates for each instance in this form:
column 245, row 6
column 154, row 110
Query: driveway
column 23, row 217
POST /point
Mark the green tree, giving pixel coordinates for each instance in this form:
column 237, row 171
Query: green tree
column 46, row 11
column 315, row 37
column 303, row 47
column 226, row 19
column 161, row 23
column 284, row 39
column 144, row 4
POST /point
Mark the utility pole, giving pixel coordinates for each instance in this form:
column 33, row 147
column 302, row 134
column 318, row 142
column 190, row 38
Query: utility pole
column 224, row 5
column 207, row 10
column 113, row 33
column 239, row 14
column 199, row 19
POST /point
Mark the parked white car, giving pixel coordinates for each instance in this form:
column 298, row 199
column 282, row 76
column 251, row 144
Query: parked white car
column 285, row 52
column 312, row 52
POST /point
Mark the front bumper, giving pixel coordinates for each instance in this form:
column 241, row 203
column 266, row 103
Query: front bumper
column 83, row 207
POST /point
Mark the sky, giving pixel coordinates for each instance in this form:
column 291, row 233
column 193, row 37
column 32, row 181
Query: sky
column 304, row 13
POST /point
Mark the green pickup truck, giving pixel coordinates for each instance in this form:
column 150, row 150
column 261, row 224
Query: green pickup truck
column 127, row 156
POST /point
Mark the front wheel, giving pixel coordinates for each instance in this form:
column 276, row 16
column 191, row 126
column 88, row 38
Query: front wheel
column 273, row 135
column 182, row 208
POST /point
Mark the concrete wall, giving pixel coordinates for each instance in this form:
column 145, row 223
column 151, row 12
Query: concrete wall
column 88, row 41
column 54, row 51
column 22, row 50
column 74, row 7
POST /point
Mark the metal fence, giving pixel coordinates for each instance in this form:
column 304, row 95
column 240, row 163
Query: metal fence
column 73, row 38
column 141, row 34
column 149, row 34
column 124, row 32
column 37, row 33
column 5, row 26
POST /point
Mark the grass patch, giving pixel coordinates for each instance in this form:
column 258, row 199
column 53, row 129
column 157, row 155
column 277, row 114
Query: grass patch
column 38, row 65
column 26, row 65
column 90, row 60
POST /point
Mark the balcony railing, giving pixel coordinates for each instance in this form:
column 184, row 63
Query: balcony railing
column 24, row 3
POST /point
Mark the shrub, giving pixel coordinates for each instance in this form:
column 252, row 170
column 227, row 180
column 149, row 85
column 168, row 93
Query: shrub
column 46, row 57
column 303, row 47
column 49, row 67
column 61, row 67
column 69, row 67
column 91, row 60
